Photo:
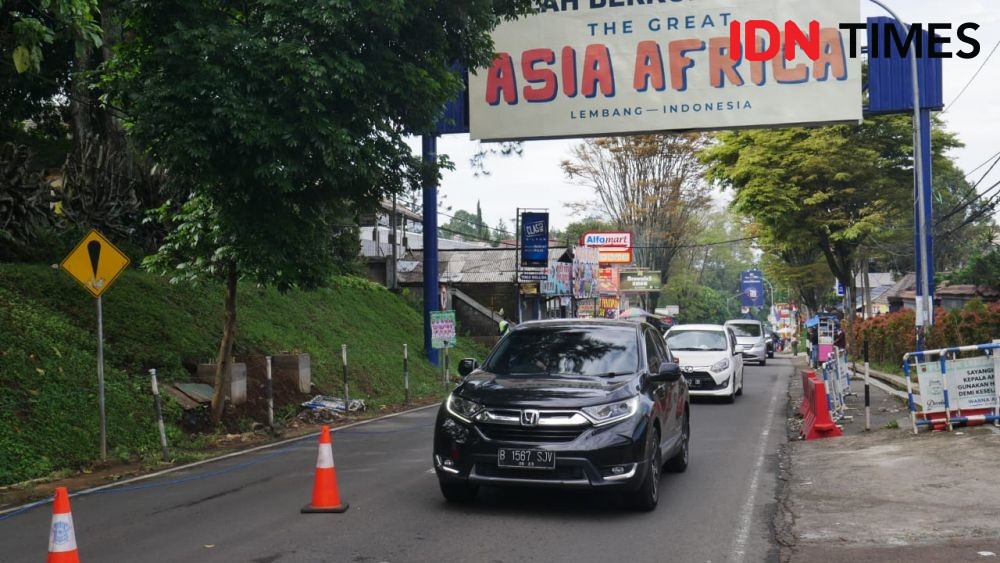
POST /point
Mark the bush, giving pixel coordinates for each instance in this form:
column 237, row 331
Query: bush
column 890, row 336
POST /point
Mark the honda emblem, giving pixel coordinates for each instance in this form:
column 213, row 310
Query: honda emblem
column 529, row 417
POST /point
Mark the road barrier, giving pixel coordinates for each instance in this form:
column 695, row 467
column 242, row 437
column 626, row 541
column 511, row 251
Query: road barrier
column 956, row 391
column 326, row 493
column 816, row 422
column 62, row 536
column 837, row 380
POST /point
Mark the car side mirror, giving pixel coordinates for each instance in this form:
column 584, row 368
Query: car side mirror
column 669, row 372
column 467, row 366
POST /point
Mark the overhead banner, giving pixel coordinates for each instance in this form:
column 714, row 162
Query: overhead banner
column 603, row 67
column 534, row 239
column 640, row 280
column 752, row 288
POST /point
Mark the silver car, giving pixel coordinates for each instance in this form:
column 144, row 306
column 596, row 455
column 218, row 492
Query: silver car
column 750, row 337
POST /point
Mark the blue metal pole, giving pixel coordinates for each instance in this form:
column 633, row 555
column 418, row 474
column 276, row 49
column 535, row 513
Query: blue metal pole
column 429, row 151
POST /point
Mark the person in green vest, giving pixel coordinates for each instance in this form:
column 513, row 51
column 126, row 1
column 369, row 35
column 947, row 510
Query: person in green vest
column 504, row 325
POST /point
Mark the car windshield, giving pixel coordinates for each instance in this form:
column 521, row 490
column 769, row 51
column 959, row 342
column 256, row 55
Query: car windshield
column 707, row 340
column 746, row 329
column 566, row 350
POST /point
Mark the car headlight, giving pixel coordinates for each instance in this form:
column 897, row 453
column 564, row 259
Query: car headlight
column 720, row 365
column 612, row 412
column 463, row 409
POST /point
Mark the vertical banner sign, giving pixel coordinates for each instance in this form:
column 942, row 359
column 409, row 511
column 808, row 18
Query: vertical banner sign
column 443, row 329
column 534, row 239
column 752, row 288
column 600, row 67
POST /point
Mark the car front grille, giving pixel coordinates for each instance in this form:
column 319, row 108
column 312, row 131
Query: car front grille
column 566, row 473
column 702, row 381
column 529, row 435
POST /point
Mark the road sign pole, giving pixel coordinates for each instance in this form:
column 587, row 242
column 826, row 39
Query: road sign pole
column 100, row 379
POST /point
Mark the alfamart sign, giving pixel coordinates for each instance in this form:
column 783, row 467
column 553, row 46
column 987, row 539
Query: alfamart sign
column 601, row 67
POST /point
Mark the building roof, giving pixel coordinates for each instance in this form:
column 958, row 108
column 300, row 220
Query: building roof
column 485, row 265
column 905, row 283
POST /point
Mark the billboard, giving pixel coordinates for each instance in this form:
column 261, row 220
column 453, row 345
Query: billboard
column 639, row 280
column 614, row 247
column 752, row 288
column 600, row 67
column 534, row 239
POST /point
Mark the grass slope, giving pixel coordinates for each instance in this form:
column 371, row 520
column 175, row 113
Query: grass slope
column 48, row 406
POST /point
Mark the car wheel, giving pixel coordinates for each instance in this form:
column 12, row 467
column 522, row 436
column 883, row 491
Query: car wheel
column 648, row 495
column 458, row 492
column 740, row 390
column 679, row 463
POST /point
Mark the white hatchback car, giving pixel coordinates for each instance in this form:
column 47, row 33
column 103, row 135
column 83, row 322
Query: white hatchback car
column 710, row 359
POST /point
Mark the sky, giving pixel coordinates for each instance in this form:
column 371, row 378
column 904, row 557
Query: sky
column 535, row 179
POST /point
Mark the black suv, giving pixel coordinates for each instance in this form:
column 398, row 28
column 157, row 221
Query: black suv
column 566, row 403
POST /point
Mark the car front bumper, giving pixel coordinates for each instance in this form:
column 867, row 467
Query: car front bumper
column 611, row 457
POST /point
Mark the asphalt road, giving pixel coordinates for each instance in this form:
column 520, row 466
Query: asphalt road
column 247, row 508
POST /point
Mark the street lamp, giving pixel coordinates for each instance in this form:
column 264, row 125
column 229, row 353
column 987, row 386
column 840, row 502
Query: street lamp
column 925, row 305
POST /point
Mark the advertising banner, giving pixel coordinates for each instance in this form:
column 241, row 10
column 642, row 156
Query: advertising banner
column 608, row 306
column 558, row 279
column 534, row 239
column 971, row 384
column 752, row 288
column 639, row 280
column 605, row 67
column 585, row 277
column 607, row 280
column 443, row 329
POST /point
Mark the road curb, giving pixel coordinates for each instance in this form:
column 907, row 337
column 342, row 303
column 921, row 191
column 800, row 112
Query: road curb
column 230, row 455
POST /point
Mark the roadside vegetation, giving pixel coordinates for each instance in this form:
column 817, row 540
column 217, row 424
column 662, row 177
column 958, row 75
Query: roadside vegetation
column 48, row 409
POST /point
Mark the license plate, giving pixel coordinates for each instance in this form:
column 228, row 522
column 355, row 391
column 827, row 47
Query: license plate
column 526, row 459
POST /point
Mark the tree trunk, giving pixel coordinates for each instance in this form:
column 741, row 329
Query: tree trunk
column 224, row 363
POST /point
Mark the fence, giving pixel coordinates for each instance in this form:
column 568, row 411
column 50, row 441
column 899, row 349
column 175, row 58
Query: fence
column 837, row 380
column 956, row 391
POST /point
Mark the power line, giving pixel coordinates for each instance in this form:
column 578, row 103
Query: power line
column 971, row 80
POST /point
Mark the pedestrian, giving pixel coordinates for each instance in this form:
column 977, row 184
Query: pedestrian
column 504, row 325
column 840, row 340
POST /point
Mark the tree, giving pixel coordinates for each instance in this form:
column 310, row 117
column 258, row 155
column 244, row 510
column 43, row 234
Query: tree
column 274, row 116
column 649, row 184
column 827, row 188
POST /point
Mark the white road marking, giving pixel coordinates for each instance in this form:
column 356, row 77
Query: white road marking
column 746, row 515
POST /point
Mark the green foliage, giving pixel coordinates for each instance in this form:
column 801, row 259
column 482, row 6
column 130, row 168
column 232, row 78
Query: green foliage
column 24, row 201
column 891, row 336
column 52, row 417
column 983, row 268
column 698, row 303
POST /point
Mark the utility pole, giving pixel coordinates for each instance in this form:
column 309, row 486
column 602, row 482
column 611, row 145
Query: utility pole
column 923, row 236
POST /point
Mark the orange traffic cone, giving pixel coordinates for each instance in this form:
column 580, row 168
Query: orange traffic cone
column 62, row 537
column 326, row 496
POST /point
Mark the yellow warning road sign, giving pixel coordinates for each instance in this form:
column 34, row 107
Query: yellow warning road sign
column 95, row 263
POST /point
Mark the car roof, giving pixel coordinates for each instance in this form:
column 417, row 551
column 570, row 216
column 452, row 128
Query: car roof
column 716, row 328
